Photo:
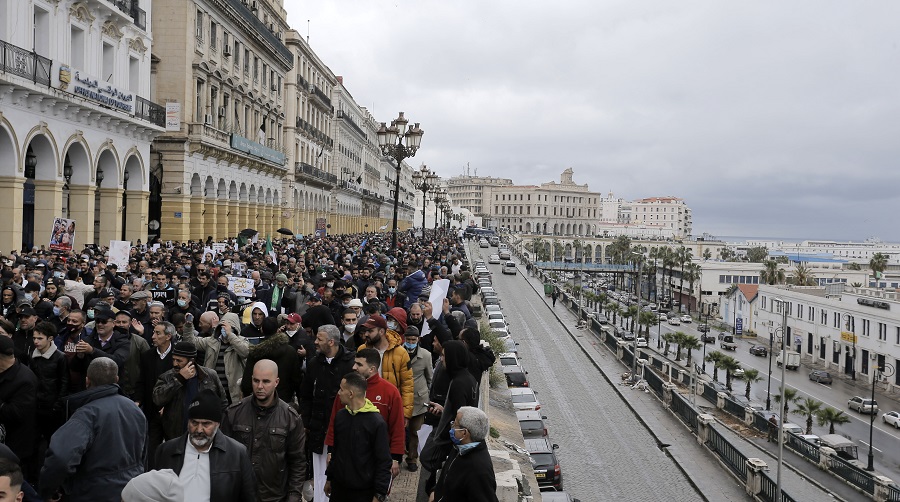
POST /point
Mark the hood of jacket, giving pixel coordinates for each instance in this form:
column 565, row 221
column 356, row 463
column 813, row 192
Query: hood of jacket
column 260, row 306
column 400, row 316
column 394, row 339
column 456, row 357
column 271, row 347
column 84, row 397
column 234, row 321
column 366, row 408
column 414, row 279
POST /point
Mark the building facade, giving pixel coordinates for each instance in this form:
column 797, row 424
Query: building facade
column 564, row 208
column 473, row 193
column 76, row 120
column 670, row 212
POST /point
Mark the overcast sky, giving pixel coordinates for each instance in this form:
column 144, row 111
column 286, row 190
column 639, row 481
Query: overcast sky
column 769, row 118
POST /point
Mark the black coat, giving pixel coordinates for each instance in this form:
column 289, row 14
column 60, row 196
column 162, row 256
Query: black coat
column 118, row 349
column 152, row 367
column 468, row 476
column 277, row 348
column 53, row 381
column 230, row 470
column 314, row 317
column 361, row 455
column 18, row 406
column 317, row 393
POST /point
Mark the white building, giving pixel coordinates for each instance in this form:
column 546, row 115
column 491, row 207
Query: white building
column 76, row 121
column 845, row 331
column 670, row 212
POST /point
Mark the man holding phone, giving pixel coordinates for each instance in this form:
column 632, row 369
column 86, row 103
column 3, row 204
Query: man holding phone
column 179, row 386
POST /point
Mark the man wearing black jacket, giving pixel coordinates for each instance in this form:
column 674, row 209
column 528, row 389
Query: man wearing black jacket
column 468, row 473
column 359, row 469
column 105, row 341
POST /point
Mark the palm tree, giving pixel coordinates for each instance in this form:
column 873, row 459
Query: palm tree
column 803, row 275
column 693, row 275
column 713, row 357
column 669, row 338
column 684, row 257
column 830, row 416
column 602, row 298
column 790, row 396
column 679, row 339
column 614, row 309
column 878, row 263
column 726, row 254
column 808, row 408
column 772, row 274
column 707, row 254
column 751, row 375
column 669, row 261
column 730, row 365
column 647, row 319
column 558, row 249
column 690, row 343
column 854, row 266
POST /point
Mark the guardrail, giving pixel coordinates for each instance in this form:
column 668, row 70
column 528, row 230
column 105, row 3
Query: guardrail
column 852, row 474
column 25, row 63
column 768, row 489
column 732, row 457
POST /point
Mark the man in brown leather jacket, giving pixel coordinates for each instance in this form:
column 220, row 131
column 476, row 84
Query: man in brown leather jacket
column 273, row 433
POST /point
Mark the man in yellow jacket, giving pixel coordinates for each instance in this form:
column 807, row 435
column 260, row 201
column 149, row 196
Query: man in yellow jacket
column 394, row 359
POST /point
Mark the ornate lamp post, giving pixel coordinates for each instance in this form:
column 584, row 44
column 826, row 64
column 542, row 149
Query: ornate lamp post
column 399, row 143
column 67, row 174
column 424, row 180
column 439, row 196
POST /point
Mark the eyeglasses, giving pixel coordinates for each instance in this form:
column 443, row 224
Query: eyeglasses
column 103, row 321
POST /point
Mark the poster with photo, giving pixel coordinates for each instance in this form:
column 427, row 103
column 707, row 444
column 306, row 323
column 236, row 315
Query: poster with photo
column 62, row 237
column 119, row 252
column 240, row 286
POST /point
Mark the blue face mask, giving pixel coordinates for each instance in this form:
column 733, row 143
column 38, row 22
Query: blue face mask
column 465, row 447
column 392, row 290
column 410, row 346
column 453, row 437
column 56, row 311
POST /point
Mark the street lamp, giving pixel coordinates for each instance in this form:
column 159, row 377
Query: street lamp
column 438, row 201
column 124, row 202
column 391, row 141
column 424, row 180
column 634, row 343
column 784, row 337
column 67, row 174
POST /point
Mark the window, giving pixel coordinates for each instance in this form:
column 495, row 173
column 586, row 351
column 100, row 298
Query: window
column 41, row 32
column 77, row 45
column 213, row 36
column 109, row 63
column 255, row 69
column 882, row 331
column 866, row 327
column 198, row 111
column 799, row 311
column 812, row 314
column 246, row 62
column 824, row 317
column 134, row 75
column 199, row 27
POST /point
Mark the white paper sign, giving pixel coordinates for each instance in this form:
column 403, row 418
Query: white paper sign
column 439, row 290
column 119, row 252
column 240, row 286
column 218, row 247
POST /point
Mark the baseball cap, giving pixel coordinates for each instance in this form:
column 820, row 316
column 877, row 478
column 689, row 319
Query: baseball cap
column 294, row 318
column 375, row 321
column 314, row 297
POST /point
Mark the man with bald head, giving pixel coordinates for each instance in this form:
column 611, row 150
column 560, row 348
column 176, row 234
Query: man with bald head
column 273, row 433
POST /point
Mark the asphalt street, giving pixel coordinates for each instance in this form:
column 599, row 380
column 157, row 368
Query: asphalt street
column 605, row 452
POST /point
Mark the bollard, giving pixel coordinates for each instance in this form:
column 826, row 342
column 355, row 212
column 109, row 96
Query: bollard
column 704, row 420
column 668, row 389
column 882, row 488
column 720, row 400
column 753, row 484
column 749, row 415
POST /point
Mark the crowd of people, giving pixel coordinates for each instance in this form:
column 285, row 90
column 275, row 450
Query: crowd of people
column 309, row 369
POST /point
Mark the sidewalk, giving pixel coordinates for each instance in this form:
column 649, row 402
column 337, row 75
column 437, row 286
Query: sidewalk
column 694, row 459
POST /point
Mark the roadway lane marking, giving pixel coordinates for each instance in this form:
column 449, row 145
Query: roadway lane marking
column 867, row 444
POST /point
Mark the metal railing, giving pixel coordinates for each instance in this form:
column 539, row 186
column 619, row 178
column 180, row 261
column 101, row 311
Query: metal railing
column 315, row 172
column 302, row 83
column 732, row 457
column 768, row 489
column 347, row 118
column 802, row 446
column 852, row 474
column 710, row 392
column 149, row 111
column 322, row 96
column 25, row 63
column 893, row 493
column 627, row 357
column 760, row 422
column 139, row 16
column 684, row 410
column 735, row 408
column 654, row 382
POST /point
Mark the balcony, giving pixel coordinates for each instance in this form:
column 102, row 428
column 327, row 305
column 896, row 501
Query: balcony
column 321, row 96
column 25, row 63
column 349, row 120
column 151, row 112
column 314, row 172
column 316, row 134
column 302, row 83
column 139, row 16
column 258, row 28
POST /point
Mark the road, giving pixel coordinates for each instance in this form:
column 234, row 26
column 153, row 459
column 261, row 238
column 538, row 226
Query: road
column 605, row 453
column 885, row 440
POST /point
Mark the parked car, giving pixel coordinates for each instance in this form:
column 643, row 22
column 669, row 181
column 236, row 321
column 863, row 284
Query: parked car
column 820, row 376
column 738, row 373
column 811, row 438
column 759, row 350
column 545, row 463
column 642, row 342
column 891, row 418
column 483, row 243
column 494, row 258
column 509, row 359
column 532, row 424
column 516, row 376
column 793, row 428
column 489, row 309
column 862, row 405
column 509, row 268
column 524, row 399
column 505, row 254
column 628, row 336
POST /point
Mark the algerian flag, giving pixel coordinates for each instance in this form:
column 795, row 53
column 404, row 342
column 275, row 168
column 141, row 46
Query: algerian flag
column 269, row 250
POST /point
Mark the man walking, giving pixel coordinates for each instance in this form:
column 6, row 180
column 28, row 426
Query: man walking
column 273, row 434
column 102, row 445
column 360, row 466
column 394, row 358
column 468, row 473
column 179, row 386
column 210, row 465
column 422, row 369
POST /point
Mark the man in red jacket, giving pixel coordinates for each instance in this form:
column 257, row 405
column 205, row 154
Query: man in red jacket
column 385, row 396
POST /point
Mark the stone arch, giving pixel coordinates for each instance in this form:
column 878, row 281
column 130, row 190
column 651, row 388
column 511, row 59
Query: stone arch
column 588, row 253
column 134, row 166
column 108, row 161
column 260, row 196
column 598, row 254
column 221, row 190
column 9, row 149
column 79, row 158
column 209, row 188
column 252, row 195
column 275, row 199
column 196, row 185
column 268, row 196
column 242, row 194
column 233, row 191
column 43, row 145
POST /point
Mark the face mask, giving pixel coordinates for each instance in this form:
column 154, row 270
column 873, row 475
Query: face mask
column 56, row 311
column 330, row 284
column 410, row 346
column 29, row 297
column 291, row 333
column 453, row 437
column 350, row 328
column 392, row 290
column 346, row 305
column 392, row 325
column 182, row 303
column 90, row 313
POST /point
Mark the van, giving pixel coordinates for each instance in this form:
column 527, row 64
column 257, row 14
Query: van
column 843, row 446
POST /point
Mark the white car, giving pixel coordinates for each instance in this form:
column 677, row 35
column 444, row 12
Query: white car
column 686, row 319
column 738, row 373
column 891, row 418
column 509, row 359
column 499, row 328
column 490, row 309
column 663, row 317
column 642, row 342
column 524, row 399
column 496, row 316
column 509, row 268
column 494, row 258
column 674, row 321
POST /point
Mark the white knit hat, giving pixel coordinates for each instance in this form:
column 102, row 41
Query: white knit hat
column 154, row 486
